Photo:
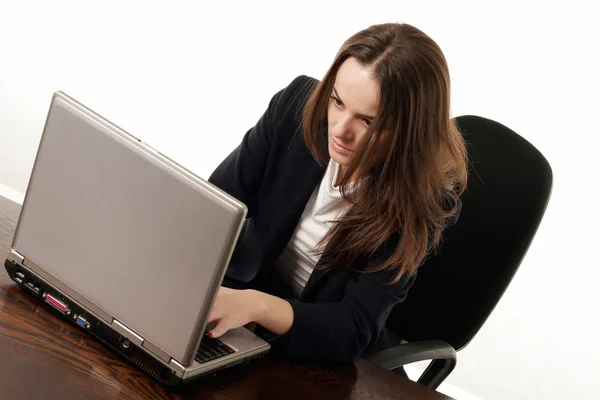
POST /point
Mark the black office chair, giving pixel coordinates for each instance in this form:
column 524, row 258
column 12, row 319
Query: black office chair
column 509, row 186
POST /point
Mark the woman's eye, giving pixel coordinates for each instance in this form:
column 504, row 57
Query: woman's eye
column 337, row 101
column 367, row 122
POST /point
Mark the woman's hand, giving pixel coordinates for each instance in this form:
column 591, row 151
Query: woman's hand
column 235, row 308
column 232, row 309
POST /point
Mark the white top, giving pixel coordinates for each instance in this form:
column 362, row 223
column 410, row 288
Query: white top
column 299, row 257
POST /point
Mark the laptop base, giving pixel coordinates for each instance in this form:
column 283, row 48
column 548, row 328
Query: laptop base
column 120, row 345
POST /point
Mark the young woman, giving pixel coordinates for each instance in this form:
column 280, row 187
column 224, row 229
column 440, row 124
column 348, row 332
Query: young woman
column 349, row 184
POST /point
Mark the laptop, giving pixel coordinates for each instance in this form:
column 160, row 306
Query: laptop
column 128, row 246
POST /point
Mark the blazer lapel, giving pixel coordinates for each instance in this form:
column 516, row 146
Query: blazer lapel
column 303, row 174
column 315, row 277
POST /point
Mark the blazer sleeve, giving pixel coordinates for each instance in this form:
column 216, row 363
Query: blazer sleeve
column 337, row 332
column 242, row 171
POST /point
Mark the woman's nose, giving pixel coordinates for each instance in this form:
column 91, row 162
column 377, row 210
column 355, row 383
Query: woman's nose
column 343, row 129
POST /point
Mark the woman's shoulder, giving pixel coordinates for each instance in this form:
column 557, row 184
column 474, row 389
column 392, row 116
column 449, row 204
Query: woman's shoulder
column 286, row 110
column 300, row 85
column 288, row 103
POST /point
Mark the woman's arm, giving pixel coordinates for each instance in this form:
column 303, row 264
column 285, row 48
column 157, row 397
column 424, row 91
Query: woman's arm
column 322, row 332
column 235, row 308
column 276, row 314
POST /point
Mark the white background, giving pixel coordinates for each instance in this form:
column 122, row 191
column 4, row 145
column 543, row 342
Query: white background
column 191, row 79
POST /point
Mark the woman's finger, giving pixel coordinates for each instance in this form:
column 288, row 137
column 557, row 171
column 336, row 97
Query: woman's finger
column 217, row 311
column 219, row 330
column 214, row 315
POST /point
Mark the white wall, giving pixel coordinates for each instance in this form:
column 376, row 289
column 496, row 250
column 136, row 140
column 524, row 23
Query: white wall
column 190, row 80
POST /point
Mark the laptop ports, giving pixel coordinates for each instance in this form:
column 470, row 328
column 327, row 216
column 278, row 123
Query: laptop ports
column 81, row 321
column 19, row 277
column 33, row 287
column 54, row 302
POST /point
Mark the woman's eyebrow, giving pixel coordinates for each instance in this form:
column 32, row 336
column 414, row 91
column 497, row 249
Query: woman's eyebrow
column 335, row 92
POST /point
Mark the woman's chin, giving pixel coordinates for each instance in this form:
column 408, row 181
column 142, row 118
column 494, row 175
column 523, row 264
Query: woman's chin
column 338, row 158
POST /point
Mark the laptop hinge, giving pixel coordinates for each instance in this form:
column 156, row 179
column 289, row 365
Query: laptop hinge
column 16, row 257
column 128, row 333
column 175, row 366
column 156, row 351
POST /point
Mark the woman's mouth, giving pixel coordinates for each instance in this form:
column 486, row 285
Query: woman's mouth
column 344, row 151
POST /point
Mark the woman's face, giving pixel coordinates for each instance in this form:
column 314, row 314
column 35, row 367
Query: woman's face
column 352, row 107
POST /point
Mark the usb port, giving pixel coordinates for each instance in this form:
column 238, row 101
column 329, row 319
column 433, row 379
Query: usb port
column 81, row 321
column 59, row 305
column 20, row 275
column 18, row 280
column 34, row 288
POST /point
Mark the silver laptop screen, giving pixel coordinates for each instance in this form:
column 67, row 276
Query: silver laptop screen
column 136, row 238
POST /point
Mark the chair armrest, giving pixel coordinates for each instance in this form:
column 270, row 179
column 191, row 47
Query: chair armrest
column 443, row 358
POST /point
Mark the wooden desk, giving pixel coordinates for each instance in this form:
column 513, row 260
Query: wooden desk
column 42, row 357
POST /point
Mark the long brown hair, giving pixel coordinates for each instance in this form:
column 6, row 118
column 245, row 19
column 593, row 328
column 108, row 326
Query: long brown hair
column 413, row 190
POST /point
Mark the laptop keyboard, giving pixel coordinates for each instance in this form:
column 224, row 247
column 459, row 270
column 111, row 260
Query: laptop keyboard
column 211, row 348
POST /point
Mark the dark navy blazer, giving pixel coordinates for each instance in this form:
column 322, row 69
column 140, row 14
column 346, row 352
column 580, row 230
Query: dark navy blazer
column 341, row 313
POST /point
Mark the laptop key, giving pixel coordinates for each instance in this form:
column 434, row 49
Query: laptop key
column 211, row 349
column 220, row 350
column 223, row 349
column 213, row 354
column 208, row 351
column 201, row 357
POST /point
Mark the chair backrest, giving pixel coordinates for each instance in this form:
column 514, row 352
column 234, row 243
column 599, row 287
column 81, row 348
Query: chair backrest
column 509, row 186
